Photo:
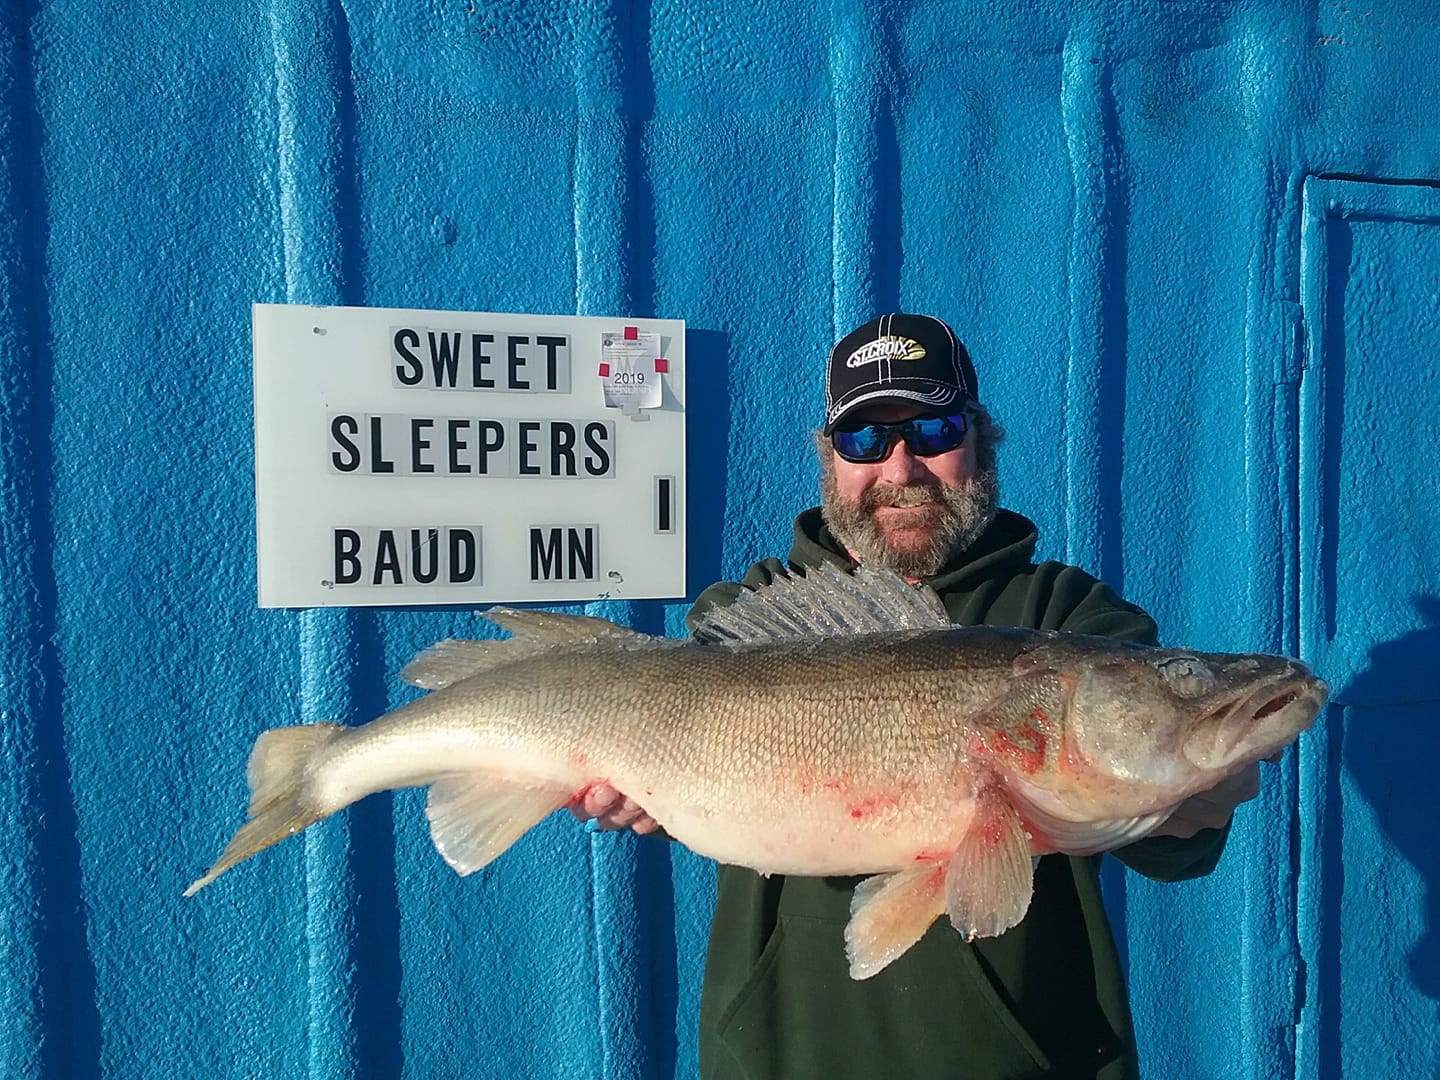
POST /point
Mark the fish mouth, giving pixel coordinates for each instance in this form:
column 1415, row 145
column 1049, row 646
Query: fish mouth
column 1275, row 704
column 1259, row 723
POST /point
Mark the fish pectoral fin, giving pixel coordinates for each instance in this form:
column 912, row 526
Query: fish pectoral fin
column 889, row 913
column 475, row 817
column 990, row 877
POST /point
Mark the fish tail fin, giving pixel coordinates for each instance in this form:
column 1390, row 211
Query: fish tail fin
column 278, row 808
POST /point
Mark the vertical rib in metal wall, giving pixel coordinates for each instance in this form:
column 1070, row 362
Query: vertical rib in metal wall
column 1268, row 949
column 313, row 181
column 861, row 180
column 1096, row 280
column 1313, row 1043
column 1092, row 413
column 614, row 253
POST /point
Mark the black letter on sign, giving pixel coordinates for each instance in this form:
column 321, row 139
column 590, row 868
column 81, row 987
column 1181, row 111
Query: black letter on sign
column 562, row 447
column 516, row 360
column 582, row 551
column 479, row 358
column 444, row 357
column 409, row 372
column 492, row 437
column 387, row 559
column 664, row 504
column 457, row 445
column 528, row 428
column 347, row 547
column 544, row 554
column 418, row 444
column 418, row 550
column 596, row 436
column 378, row 464
column 463, row 563
column 551, row 344
column 347, row 458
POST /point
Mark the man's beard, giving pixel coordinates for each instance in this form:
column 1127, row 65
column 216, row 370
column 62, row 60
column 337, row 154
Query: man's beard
column 953, row 519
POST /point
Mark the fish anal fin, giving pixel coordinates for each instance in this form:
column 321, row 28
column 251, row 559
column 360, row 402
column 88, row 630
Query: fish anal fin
column 990, row 876
column 889, row 913
column 475, row 817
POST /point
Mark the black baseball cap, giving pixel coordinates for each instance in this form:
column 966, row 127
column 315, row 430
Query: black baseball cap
column 911, row 358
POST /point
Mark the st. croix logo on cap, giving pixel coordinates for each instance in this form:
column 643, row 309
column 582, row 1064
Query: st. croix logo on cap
column 890, row 347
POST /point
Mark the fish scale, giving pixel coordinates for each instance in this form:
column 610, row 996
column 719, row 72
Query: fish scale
column 820, row 726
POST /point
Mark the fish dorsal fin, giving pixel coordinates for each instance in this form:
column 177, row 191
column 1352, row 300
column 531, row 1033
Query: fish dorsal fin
column 825, row 603
column 447, row 662
column 554, row 628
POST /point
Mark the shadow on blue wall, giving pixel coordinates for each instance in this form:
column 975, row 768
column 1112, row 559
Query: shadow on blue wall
column 637, row 105
column 69, row 1006
column 707, row 434
column 375, row 904
column 1110, row 438
column 69, row 1001
column 1339, row 255
column 1392, row 722
column 347, row 206
column 657, row 954
column 888, row 244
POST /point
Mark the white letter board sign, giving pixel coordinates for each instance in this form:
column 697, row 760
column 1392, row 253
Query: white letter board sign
column 448, row 457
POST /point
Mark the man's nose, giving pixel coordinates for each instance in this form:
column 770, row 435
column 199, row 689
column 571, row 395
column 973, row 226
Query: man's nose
column 900, row 465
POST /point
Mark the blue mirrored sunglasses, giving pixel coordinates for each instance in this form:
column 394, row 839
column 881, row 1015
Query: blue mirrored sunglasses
column 925, row 436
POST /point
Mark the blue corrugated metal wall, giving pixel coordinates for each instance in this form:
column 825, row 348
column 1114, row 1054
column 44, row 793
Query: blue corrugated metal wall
column 1192, row 245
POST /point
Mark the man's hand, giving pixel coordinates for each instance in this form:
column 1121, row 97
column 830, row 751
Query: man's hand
column 612, row 810
column 1212, row 809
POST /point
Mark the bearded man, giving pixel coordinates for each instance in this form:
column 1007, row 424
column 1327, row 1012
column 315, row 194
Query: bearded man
column 909, row 483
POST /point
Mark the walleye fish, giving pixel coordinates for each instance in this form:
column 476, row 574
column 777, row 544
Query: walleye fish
column 822, row 725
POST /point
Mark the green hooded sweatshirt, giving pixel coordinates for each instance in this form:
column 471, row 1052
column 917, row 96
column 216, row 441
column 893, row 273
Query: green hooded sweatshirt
column 1045, row 999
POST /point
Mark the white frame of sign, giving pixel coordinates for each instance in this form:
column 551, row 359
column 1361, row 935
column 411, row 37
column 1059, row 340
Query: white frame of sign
column 407, row 456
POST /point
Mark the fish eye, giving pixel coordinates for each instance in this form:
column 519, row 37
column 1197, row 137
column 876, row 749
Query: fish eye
column 1186, row 676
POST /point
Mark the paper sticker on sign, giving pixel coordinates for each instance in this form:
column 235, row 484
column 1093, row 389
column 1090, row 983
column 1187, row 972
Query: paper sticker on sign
column 630, row 369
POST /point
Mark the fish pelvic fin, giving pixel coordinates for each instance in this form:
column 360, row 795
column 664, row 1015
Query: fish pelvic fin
column 448, row 662
column 889, row 913
column 278, row 809
column 474, row 817
column 990, row 879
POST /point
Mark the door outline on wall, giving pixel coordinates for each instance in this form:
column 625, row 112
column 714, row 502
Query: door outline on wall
column 1327, row 788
